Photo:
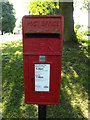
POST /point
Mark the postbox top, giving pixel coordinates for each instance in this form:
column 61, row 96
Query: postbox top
column 41, row 16
column 42, row 23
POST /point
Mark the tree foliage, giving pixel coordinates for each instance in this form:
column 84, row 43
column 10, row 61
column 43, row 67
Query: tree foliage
column 43, row 8
column 85, row 4
column 8, row 17
column 64, row 8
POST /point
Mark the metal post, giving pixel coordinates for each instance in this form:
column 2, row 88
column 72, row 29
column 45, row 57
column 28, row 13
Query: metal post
column 42, row 112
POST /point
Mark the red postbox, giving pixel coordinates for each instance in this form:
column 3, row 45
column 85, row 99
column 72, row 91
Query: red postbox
column 42, row 55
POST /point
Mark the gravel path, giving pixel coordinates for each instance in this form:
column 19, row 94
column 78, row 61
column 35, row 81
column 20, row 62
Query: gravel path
column 11, row 37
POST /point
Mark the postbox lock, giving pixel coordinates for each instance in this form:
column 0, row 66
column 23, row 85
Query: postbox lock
column 42, row 58
column 32, row 79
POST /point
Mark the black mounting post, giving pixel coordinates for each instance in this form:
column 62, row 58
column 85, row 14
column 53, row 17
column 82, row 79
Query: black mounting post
column 42, row 112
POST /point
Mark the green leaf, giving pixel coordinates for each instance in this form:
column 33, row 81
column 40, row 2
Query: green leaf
column 43, row 8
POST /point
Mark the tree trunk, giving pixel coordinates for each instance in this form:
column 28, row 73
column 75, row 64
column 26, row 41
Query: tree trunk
column 66, row 9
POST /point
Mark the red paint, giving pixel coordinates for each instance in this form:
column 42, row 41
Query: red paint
column 42, row 35
column 45, row 86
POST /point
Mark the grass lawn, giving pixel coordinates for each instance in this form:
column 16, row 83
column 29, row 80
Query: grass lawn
column 74, row 85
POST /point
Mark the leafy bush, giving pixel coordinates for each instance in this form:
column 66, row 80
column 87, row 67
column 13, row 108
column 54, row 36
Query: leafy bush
column 80, row 32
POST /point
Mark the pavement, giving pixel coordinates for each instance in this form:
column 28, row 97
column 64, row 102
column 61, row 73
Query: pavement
column 6, row 37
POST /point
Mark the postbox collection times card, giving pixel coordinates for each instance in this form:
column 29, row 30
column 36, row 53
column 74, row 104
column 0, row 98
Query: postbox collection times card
column 42, row 77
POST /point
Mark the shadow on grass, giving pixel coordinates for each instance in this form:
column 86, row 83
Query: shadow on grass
column 13, row 83
column 74, row 84
column 75, row 63
column 74, row 87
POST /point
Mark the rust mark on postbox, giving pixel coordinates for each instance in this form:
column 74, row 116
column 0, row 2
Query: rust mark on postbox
column 42, row 55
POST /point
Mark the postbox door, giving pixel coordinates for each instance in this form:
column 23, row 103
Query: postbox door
column 50, row 96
